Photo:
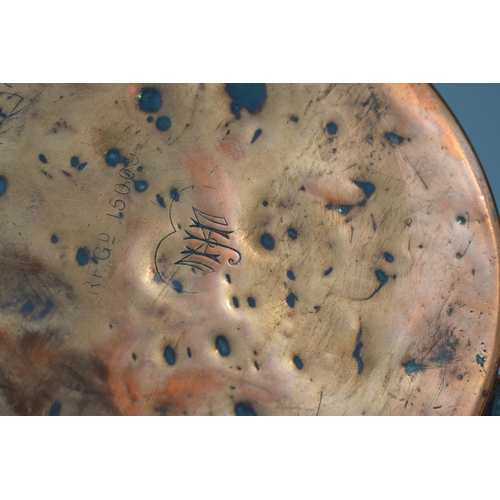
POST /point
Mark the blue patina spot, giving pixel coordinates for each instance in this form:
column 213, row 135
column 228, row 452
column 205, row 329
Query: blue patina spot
column 54, row 238
column 27, row 308
column 367, row 187
column 328, row 271
column 388, row 257
column 48, row 307
column 82, row 256
column 291, row 299
column 140, row 186
column 331, row 128
column 250, row 96
column 290, row 275
column 174, row 194
column 55, row 409
column 461, row 220
column 161, row 201
column 267, row 241
column 357, row 356
column 163, row 123
column 169, row 355
column 74, row 162
column 344, row 209
column 3, row 185
column 298, row 362
column 251, row 301
column 150, row 100
column 222, row 345
column 413, row 367
column 244, row 410
column 236, row 302
column 82, row 166
column 292, row 233
column 381, row 276
column 42, row 158
column 394, row 138
column 256, row 135
column 113, row 157
column 177, row 286
column 480, row 360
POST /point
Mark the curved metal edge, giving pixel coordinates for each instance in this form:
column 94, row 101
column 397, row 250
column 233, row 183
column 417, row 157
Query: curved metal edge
column 477, row 168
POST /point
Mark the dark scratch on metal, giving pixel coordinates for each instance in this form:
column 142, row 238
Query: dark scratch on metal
column 13, row 112
column 375, row 104
column 308, row 106
column 319, row 405
column 326, row 92
column 345, row 94
column 416, row 171
column 468, row 245
column 353, row 165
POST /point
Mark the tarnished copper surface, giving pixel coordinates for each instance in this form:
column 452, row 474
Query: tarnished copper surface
column 220, row 250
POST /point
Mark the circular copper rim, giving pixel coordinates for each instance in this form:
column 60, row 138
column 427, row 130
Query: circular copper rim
column 280, row 249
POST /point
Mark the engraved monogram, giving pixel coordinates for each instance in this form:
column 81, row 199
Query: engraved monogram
column 206, row 238
column 207, row 243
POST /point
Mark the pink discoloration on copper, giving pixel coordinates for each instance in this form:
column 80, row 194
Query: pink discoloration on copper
column 423, row 315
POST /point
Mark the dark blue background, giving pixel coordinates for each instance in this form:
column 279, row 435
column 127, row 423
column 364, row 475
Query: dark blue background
column 476, row 106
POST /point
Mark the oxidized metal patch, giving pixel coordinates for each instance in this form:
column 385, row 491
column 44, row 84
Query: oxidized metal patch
column 243, row 249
